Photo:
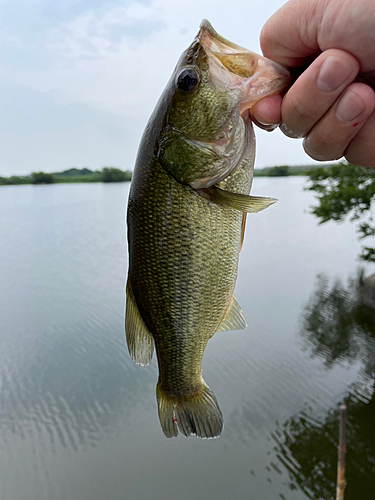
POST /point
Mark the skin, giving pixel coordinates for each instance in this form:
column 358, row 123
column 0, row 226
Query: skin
column 331, row 104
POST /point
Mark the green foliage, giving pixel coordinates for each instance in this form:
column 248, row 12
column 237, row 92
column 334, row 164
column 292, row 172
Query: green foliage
column 111, row 174
column 42, row 178
column 279, row 171
column 345, row 190
column 14, row 180
column 74, row 172
column 68, row 179
column 260, row 172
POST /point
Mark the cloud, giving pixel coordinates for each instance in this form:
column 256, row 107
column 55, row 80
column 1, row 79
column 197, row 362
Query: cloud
column 41, row 15
column 47, row 32
column 93, row 35
column 80, row 78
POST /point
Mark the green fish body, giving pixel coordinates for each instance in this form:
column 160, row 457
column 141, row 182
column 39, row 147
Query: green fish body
column 186, row 217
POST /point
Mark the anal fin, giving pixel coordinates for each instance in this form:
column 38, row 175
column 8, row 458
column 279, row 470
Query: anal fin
column 139, row 339
column 233, row 319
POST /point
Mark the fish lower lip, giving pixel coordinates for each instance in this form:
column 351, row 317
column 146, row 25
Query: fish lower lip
column 249, row 143
column 246, row 117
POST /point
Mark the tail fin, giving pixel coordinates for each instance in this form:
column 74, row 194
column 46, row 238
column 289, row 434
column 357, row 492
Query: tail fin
column 198, row 414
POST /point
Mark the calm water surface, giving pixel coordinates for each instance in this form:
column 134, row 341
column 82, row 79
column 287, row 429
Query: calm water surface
column 78, row 420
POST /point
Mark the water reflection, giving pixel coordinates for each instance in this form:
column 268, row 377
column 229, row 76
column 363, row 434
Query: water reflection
column 307, row 448
column 336, row 327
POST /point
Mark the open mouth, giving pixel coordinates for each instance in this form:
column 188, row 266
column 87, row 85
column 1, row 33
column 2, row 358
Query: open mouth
column 235, row 67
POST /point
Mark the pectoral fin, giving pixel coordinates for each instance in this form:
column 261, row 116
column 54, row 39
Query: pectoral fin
column 233, row 319
column 139, row 339
column 241, row 202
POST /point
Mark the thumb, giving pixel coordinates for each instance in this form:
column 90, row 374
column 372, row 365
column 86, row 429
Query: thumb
column 289, row 37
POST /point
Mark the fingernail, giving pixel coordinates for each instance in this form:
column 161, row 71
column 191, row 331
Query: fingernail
column 289, row 133
column 333, row 73
column 349, row 107
column 268, row 127
column 271, row 128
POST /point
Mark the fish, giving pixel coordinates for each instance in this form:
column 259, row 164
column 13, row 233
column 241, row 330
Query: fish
column 186, row 217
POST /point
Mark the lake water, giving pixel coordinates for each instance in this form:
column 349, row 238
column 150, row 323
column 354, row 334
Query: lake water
column 78, row 420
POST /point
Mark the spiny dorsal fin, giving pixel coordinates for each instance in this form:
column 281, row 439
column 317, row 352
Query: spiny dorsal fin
column 233, row 319
column 139, row 339
column 241, row 202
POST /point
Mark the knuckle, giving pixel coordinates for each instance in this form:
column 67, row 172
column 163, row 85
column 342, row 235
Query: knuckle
column 301, row 108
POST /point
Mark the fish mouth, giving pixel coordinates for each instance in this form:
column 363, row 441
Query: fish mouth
column 237, row 68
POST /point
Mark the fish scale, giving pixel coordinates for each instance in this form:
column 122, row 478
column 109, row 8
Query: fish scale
column 193, row 249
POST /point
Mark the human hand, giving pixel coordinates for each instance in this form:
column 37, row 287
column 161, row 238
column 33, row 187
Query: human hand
column 332, row 102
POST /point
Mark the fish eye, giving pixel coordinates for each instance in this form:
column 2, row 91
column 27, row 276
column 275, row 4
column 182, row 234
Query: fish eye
column 188, row 80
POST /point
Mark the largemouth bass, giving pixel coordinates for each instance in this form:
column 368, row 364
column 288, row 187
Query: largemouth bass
column 186, row 218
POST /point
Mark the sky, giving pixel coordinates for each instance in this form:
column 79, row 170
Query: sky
column 80, row 78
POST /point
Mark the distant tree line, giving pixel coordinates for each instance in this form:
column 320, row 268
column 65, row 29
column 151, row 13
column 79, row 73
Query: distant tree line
column 279, row 171
column 13, row 180
column 112, row 174
column 42, row 178
column 107, row 174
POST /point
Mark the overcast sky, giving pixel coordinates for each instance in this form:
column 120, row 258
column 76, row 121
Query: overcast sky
column 79, row 78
